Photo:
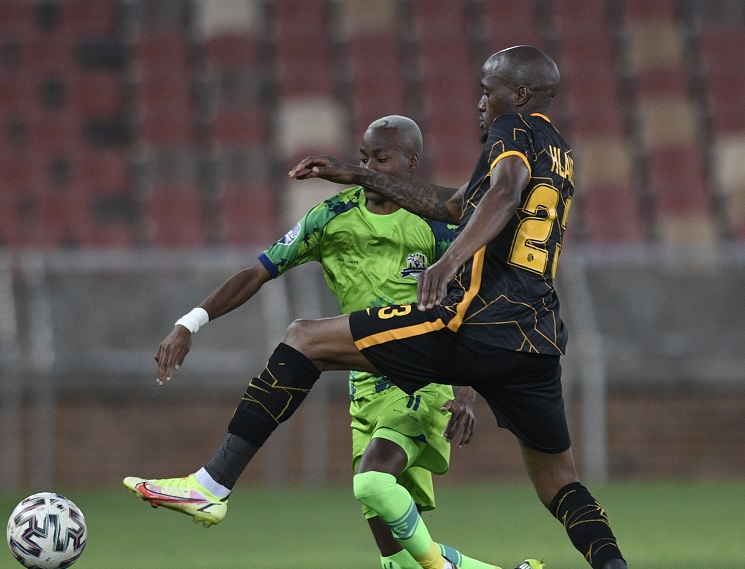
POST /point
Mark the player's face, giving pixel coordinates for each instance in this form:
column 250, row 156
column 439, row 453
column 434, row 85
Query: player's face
column 497, row 95
column 382, row 151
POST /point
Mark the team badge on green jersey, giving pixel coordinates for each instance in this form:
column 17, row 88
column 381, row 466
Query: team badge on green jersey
column 416, row 263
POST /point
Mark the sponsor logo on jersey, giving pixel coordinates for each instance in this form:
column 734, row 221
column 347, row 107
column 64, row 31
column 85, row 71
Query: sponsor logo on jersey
column 291, row 235
column 416, row 263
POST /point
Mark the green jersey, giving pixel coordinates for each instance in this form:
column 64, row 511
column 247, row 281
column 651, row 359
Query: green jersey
column 368, row 259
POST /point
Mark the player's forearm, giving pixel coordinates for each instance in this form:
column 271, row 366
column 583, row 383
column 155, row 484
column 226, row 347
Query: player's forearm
column 235, row 291
column 428, row 200
column 492, row 215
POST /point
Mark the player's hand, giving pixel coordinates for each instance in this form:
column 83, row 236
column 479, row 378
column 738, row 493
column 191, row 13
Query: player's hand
column 171, row 353
column 433, row 283
column 462, row 418
column 325, row 167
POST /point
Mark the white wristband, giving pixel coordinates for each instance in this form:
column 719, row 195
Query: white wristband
column 194, row 320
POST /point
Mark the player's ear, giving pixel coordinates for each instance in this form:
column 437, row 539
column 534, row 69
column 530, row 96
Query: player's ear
column 413, row 161
column 522, row 94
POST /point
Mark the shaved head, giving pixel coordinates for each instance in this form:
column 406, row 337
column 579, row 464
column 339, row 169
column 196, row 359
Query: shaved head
column 529, row 66
column 409, row 135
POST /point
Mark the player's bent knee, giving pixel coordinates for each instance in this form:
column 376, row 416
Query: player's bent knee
column 370, row 486
column 295, row 334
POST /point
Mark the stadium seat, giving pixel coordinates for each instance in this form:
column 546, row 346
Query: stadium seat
column 728, row 157
column 580, row 18
column 662, row 81
column 310, row 124
column 102, row 170
column 590, row 92
column 369, row 18
column 49, row 131
column 298, row 18
column 248, row 216
column 665, row 121
column 44, row 54
column 678, row 181
column 161, row 17
column 62, row 217
column 216, row 18
column 601, row 160
column 612, row 213
column 512, row 23
column 96, row 94
column 439, row 18
column 241, row 166
column 168, row 166
column 17, row 223
column 376, row 79
column 724, row 75
column 16, row 19
column 372, row 98
column 176, row 217
column 304, row 66
column 166, row 126
column 233, row 51
column 162, row 51
column 239, row 126
column 597, row 117
column 89, row 18
column 656, row 44
column 643, row 10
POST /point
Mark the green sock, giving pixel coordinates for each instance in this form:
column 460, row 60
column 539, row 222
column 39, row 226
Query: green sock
column 461, row 560
column 400, row 560
column 392, row 502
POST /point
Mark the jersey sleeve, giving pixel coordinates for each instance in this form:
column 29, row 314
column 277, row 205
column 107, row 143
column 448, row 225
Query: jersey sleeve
column 509, row 135
column 299, row 245
column 444, row 236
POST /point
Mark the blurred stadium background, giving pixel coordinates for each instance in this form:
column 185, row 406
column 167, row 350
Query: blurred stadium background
column 144, row 146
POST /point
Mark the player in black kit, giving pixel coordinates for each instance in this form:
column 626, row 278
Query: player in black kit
column 487, row 314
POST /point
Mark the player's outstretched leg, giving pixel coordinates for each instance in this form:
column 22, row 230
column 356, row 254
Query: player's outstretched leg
column 392, row 502
column 270, row 399
column 185, row 495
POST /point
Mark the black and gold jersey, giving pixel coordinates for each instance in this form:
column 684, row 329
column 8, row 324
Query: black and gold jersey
column 504, row 296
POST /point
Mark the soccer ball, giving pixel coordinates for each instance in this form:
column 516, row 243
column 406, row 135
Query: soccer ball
column 47, row 531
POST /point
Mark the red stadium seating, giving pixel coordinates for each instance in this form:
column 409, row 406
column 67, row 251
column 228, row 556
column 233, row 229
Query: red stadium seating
column 644, row 10
column 233, row 51
column 377, row 83
column 96, row 93
column 512, row 23
column 678, row 181
column 724, row 71
column 89, row 18
column 248, row 216
column 17, row 226
column 176, row 217
column 439, row 18
column 16, row 19
column 304, row 66
column 166, row 126
column 612, row 214
column 580, row 18
column 240, row 126
column 298, row 18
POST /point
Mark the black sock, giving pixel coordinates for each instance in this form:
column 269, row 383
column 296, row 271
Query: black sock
column 586, row 524
column 273, row 397
column 230, row 460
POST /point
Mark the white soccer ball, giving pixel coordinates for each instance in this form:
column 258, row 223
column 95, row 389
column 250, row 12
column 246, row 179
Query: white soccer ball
column 47, row 531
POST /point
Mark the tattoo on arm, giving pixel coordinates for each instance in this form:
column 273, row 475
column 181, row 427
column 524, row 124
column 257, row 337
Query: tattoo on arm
column 428, row 200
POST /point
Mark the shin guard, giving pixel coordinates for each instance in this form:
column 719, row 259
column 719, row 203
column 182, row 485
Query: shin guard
column 273, row 396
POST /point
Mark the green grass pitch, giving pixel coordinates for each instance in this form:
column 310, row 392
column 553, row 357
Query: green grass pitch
column 659, row 525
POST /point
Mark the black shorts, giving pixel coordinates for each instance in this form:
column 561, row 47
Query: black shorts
column 414, row 348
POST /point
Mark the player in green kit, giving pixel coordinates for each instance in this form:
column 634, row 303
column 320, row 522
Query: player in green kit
column 372, row 252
